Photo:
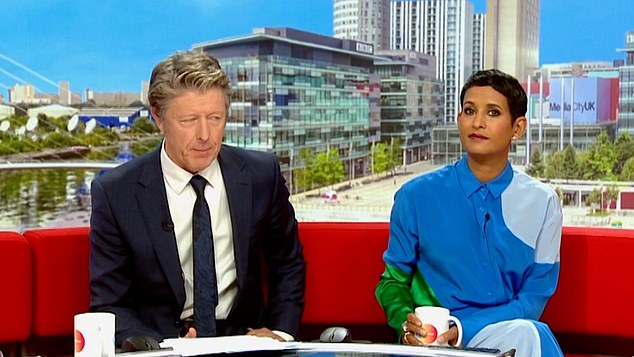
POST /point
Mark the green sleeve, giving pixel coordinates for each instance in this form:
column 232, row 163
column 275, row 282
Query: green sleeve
column 399, row 293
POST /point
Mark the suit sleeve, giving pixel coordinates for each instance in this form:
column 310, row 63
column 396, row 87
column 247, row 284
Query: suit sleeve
column 285, row 260
column 111, row 270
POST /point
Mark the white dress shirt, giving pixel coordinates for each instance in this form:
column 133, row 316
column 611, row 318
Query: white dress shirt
column 181, row 198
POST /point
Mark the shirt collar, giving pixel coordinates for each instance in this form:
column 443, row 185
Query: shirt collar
column 470, row 184
column 178, row 178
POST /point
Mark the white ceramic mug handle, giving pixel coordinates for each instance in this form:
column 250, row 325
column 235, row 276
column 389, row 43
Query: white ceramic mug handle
column 459, row 326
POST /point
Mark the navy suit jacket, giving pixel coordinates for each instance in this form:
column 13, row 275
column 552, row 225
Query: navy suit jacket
column 135, row 271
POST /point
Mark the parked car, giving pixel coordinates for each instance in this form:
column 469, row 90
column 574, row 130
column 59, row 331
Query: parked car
column 329, row 196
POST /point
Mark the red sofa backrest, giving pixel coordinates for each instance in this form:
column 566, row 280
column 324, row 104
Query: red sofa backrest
column 343, row 264
column 595, row 292
column 15, row 288
column 60, row 278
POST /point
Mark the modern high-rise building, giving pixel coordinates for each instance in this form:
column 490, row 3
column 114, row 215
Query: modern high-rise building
column 626, row 88
column 145, row 88
column 90, row 95
column 512, row 36
column 294, row 92
column 21, row 93
column 26, row 94
column 441, row 28
column 64, row 93
column 479, row 41
column 411, row 102
column 363, row 20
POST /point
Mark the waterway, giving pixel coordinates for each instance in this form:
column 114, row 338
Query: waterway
column 45, row 198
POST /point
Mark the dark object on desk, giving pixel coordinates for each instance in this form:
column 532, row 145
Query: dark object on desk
column 335, row 334
column 139, row 343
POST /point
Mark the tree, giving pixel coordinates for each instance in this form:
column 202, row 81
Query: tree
column 140, row 147
column 598, row 161
column 554, row 165
column 328, row 168
column 593, row 199
column 611, row 195
column 303, row 177
column 627, row 174
column 624, row 148
column 570, row 164
column 537, row 166
column 380, row 158
column 143, row 125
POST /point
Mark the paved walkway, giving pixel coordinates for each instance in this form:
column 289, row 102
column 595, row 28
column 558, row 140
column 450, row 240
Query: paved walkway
column 370, row 199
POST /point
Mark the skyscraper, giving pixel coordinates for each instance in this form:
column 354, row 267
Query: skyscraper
column 441, row 28
column 626, row 88
column 64, row 93
column 24, row 93
column 479, row 40
column 512, row 36
column 363, row 20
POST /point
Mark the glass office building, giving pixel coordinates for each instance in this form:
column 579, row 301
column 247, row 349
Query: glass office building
column 412, row 102
column 294, row 90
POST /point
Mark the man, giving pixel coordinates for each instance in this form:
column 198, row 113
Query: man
column 476, row 236
column 145, row 226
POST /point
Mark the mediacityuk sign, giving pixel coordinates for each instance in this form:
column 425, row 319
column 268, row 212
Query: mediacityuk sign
column 587, row 99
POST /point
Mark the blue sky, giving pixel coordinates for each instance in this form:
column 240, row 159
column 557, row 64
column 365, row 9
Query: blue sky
column 112, row 45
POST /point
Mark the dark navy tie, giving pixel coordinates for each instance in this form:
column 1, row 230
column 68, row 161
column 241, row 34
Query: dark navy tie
column 205, row 289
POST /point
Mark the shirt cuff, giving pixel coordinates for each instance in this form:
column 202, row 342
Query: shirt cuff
column 285, row 336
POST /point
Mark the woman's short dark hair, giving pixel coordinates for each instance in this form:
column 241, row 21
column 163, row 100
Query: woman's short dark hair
column 505, row 84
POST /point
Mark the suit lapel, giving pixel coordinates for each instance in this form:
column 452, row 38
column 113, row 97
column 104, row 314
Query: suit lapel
column 157, row 219
column 238, row 186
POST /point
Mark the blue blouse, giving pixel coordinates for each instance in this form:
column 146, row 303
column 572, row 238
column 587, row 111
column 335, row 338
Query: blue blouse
column 489, row 252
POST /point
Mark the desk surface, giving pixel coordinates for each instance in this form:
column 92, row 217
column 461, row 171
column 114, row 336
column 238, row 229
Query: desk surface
column 243, row 345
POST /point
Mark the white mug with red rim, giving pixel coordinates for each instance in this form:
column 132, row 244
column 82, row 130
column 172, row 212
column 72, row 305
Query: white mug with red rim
column 436, row 321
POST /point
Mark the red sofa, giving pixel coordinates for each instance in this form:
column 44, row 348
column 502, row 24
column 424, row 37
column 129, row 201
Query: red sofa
column 60, row 278
column 15, row 288
column 589, row 313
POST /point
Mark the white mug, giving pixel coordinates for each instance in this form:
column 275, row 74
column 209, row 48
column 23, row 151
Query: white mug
column 435, row 321
column 94, row 334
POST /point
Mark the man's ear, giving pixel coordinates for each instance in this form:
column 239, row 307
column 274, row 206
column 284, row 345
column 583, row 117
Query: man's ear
column 519, row 127
column 157, row 119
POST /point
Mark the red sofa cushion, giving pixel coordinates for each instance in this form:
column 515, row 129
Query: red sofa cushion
column 60, row 278
column 595, row 292
column 16, row 287
column 343, row 264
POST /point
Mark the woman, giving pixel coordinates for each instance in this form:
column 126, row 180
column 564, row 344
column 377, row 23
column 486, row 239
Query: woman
column 476, row 236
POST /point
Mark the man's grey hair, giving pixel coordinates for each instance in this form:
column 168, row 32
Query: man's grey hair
column 183, row 71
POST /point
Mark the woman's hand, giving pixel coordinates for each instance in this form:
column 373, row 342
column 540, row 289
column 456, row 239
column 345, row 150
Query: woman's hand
column 412, row 327
column 450, row 336
column 414, row 333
